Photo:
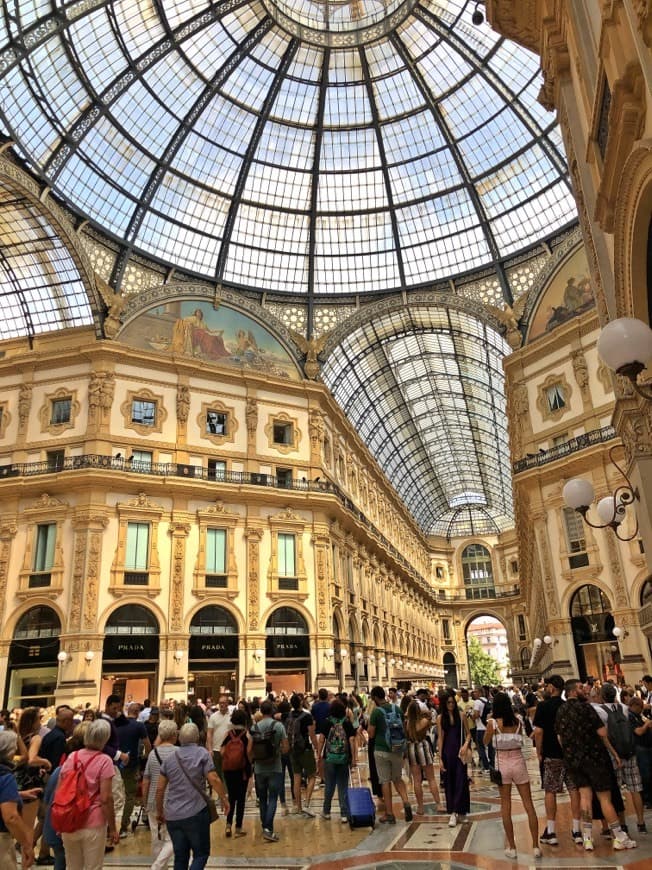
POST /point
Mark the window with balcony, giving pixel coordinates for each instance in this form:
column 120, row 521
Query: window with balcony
column 216, row 559
column 136, row 567
column 574, row 528
column 61, row 411
column 54, row 459
column 141, row 460
column 143, row 412
column 284, row 477
column 216, row 469
column 287, row 571
column 477, row 572
column 46, row 537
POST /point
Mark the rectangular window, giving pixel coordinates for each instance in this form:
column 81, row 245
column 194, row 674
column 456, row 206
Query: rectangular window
column 143, row 412
column 282, row 433
column 284, row 477
column 216, row 422
column 446, row 630
column 439, row 572
column 574, row 531
column 287, row 572
column 137, row 555
column 216, row 558
column 141, row 460
column 55, row 459
column 216, row 469
column 555, row 396
column 46, row 536
column 514, row 566
column 61, row 410
column 521, row 627
column 558, row 440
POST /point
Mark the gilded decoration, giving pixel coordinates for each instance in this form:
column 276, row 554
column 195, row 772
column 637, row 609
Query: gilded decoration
column 547, row 575
column 581, row 372
column 138, row 510
column 616, row 569
column 88, row 528
column 567, row 294
column 253, row 537
column 45, row 412
column 5, row 418
column 211, row 428
column 143, row 395
column 322, row 548
column 251, row 417
column 179, row 532
column 216, row 517
column 286, row 521
column 183, row 403
column 24, row 405
column 643, row 11
column 291, row 425
column 101, row 390
column 8, row 531
column 552, row 409
column 310, row 348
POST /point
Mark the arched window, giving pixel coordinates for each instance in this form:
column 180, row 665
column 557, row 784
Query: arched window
column 589, row 601
column 525, row 658
column 478, row 572
column 132, row 619
column 38, row 622
column 646, row 592
column 213, row 620
column 286, row 620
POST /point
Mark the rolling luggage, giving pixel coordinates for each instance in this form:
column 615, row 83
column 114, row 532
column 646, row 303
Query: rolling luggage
column 362, row 810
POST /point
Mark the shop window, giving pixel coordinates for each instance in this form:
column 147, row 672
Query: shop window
column 46, row 537
column 137, row 554
column 61, row 411
column 216, row 422
column 283, row 433
column 216, row 469
column 143, row 412
column 576, row 541
column 287, row 572
column 54, row 459
column 216, row 577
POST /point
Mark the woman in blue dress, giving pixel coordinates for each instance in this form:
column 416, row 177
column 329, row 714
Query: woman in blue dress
column 453, row 734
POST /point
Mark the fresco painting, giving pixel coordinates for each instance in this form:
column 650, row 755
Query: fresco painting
column 569, row 294
column 222, row 335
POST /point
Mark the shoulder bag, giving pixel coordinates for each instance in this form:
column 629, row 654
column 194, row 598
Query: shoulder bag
column 465, row 754
column 494, row 772
column 210, row 803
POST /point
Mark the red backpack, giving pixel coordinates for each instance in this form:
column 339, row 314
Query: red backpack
column 234, row 754
column 72, row 800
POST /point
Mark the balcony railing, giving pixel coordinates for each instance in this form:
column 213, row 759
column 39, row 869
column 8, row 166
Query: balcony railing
column 478, row 594
column 581, row 442
column 198, row 472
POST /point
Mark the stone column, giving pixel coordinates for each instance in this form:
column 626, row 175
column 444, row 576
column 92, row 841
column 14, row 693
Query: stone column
column 175, row 682
column 252, row 663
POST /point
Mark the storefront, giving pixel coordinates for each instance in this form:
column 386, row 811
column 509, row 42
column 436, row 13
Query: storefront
column 287, row 652
column 596, row 648
column 213, row 654
column 130, row 655
column 33, row 664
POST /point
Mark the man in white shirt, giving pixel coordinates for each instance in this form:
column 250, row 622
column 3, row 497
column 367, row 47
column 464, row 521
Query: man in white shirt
column 479, row 704
column 219, row 724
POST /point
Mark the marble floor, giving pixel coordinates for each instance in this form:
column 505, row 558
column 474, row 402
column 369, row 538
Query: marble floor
column 426, row 843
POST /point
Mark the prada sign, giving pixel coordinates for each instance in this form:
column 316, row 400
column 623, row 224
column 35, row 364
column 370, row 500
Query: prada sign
column 220, row 646
column 133, row 646
column 288, row 646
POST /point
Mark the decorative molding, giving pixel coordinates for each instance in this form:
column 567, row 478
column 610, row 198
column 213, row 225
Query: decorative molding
column 101, row 392
column 45, row 411
column 232, row 425
column 160, row 414
column 253, row 537
column 285, row 449
column 183, row 402
column 553, row 380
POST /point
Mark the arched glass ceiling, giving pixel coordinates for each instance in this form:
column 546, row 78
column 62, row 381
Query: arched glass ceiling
column 393, row 145
column 41, row 289
column 424, row 388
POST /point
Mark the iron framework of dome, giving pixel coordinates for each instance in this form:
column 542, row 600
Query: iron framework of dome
column 316, row 155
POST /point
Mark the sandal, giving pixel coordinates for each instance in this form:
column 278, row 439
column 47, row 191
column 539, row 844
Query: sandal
column 387, row 820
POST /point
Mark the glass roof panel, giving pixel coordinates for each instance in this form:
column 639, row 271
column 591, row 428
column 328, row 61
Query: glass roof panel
column 431, row 130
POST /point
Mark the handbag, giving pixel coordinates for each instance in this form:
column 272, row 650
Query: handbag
column 494, row 773
column 465, row 754
column 210, row 803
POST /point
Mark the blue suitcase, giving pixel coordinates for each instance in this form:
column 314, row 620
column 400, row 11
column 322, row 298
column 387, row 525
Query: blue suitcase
column 362, row 810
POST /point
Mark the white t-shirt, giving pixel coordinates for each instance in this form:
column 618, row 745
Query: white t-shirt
column 219, row 724
column 602, row 713
column 478, row 705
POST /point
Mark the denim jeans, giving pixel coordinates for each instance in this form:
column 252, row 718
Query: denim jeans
column 268, row 789
column 644, row 758
column 59, row 857
column 482, row 750
column 287, row 767
column 336, row 775
column 189, row 834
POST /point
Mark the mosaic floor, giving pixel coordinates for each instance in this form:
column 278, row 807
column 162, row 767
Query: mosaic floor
column 427, row 843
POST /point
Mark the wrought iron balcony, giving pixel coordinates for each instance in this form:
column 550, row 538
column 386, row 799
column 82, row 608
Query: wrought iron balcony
column 581, row 442
column 483, row 593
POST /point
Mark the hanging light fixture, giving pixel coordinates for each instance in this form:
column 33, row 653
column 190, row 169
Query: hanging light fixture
column 625, row 345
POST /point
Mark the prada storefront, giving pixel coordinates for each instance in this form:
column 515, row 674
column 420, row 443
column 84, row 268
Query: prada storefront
column 131, row 654
column 213, row 653
column 287, row 650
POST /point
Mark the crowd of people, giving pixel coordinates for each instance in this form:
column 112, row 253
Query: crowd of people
column 591, row 739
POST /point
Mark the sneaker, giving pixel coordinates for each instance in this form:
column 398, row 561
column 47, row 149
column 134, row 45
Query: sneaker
column 606, row 833
column 623, row 843
column 240, row 833
column 537, row 854
column 641, row 828
column 578, row 839
column 588, row 844
column 326, row 816
column 548, row 838
column 124, row 835
column 344, row 820
column 452, row 821
column 270, row 836
column 408, row 812
column 228, row 830
column 511, row 853
column 307, row 814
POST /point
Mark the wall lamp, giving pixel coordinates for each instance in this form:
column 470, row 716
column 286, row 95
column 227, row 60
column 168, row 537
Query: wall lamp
column 89, row 655
column 359, row 656
column 392, row 662
column 63, row 657
column 549, row 641
column 578, row 495
column 382, row 660
column 178, row 655
column 619, row 632
column 477, row 17
column 329, row 653
column 344, row 652
column 625, row 345
column 257, row 654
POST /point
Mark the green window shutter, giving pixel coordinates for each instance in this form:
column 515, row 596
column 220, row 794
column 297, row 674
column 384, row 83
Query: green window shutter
column 216, row 551
column 286, row 561
column 46, row 536
column 137, row 547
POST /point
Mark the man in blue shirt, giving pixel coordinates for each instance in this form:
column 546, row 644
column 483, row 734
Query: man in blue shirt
column 131, row 733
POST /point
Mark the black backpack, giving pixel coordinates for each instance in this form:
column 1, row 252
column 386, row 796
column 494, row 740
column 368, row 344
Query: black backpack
column 264, row 744
column 619, row 730
column 293, row 727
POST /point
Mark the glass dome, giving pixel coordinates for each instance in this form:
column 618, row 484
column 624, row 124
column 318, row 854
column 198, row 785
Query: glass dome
column 315, row 148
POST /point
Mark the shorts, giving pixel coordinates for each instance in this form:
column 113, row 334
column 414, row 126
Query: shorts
column 389, row 766
column 555, row 776
column 304, row 762
column 597, row 776
column 629, row 774
column 420, row 754
column 512, row 767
